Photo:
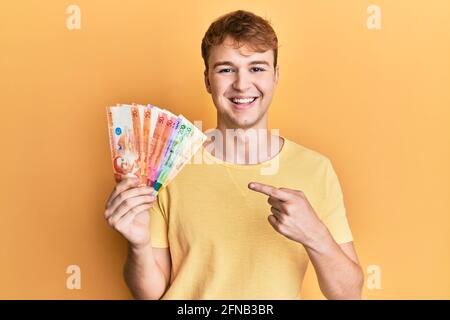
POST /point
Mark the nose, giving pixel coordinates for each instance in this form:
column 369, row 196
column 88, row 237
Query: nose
column 241, row 81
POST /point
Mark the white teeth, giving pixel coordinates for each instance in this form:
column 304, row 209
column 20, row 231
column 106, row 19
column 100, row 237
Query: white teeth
column 246, row 100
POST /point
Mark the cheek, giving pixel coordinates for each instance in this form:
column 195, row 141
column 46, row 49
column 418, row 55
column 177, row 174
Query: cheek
column 219, row 85
column 266, row 86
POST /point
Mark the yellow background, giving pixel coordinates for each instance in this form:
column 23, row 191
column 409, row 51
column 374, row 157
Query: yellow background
column 375, row 101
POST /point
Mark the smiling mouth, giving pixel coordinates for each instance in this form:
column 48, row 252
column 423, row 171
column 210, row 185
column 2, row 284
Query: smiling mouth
column 243, row 103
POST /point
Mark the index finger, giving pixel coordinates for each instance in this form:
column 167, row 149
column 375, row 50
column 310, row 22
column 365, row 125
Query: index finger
column 269, row 190
column 123, row 185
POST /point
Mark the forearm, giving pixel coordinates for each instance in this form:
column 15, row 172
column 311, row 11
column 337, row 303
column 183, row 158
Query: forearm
column 339, row 277
column 142, row 274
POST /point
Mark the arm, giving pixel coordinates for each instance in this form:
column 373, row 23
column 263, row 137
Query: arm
column 147, row 271
column 338, row 271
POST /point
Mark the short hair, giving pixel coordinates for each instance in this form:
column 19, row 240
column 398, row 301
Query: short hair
column 245, row 28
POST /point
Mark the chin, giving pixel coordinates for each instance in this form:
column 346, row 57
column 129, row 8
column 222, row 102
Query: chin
column 246, row 123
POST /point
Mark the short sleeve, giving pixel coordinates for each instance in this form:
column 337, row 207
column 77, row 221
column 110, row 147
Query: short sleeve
column 159, row 222
column 334, row 214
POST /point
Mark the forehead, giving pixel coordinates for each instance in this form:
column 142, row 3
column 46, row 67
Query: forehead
column 228, row 51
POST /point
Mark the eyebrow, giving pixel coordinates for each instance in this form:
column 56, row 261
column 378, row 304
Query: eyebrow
column 229, row 63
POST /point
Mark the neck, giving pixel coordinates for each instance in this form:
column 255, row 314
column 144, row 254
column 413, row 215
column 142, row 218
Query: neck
column 243, row 146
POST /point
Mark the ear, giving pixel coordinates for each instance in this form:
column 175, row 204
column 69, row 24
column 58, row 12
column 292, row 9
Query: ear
column 277, row 73
column 207, row 83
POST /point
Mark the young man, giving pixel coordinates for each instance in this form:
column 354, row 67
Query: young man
column 222, row 229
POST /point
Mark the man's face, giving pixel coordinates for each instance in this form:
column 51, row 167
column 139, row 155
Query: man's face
column 241, row 83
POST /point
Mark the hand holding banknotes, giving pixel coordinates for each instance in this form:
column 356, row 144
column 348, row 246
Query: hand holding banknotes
column 127, row 211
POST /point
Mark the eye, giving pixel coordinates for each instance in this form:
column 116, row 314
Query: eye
column 225, row 70
column 258, row 69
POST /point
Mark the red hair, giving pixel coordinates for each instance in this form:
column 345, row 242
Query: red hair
column 245, row 28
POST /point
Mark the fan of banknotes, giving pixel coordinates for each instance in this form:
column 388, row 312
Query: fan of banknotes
column 150, row 143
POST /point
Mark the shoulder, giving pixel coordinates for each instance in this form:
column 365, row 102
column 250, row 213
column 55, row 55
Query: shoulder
column 306, row 156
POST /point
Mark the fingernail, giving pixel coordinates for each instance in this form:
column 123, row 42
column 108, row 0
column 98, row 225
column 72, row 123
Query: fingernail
column 251, row 185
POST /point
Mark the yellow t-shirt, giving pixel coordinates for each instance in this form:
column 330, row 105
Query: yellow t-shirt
column 222, row 245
